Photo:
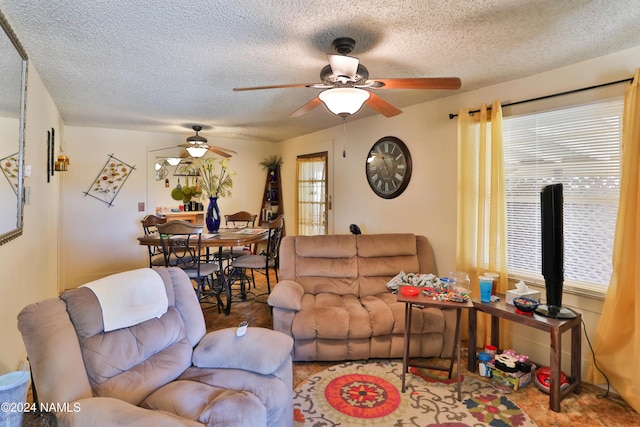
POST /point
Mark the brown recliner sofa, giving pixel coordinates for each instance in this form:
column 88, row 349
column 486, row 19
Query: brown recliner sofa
column 333, row 300
column 164, row 371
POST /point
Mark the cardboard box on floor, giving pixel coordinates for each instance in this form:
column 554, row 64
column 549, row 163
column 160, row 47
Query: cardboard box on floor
column 511, row 380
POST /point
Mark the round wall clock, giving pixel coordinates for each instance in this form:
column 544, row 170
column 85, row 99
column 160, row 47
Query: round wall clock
column 388, row 167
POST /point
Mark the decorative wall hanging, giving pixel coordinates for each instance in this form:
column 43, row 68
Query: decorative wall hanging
column 10, row 170
column 106, row 186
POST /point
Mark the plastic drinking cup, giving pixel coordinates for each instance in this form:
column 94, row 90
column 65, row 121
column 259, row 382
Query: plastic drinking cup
column 486, row 286
column 495, row 277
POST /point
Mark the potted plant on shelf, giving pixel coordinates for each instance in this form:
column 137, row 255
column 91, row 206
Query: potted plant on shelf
column 272, row 164
column 214, row 179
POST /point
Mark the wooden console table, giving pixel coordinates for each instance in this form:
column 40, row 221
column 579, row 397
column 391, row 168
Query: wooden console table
column 555, row 327
column 196, row 217
column 428, row 302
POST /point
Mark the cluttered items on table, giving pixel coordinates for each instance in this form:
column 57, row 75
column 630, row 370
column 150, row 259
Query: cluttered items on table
column 454, row 288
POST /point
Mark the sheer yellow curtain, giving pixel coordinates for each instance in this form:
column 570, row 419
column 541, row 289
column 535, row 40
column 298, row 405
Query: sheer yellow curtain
column 482, row 210
column 617, row 339
column 311, row 197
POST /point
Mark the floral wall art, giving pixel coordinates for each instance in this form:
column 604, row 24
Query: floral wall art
column 109, row 181
column 10, row 170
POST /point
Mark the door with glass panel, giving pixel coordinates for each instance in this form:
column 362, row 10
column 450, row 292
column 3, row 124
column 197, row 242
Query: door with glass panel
column 311, row 195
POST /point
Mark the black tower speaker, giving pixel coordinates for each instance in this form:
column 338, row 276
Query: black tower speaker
column 552, row 216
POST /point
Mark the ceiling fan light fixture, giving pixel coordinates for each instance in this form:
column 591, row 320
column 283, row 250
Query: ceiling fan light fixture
column 344, row 100
column 197, row 139
column 173, row 161
column 197, row 151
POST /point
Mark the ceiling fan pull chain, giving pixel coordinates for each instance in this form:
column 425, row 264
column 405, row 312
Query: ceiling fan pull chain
column 344, row 136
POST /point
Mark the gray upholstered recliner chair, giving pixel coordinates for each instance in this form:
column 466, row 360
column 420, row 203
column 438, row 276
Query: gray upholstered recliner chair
column 162, row 369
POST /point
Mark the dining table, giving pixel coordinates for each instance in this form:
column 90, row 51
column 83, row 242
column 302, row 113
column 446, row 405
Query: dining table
column 225, row 237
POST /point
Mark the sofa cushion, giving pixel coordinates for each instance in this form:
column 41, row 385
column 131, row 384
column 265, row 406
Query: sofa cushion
column 384, row 245
column 128, row 363
column 383, row 256
column 251, row 388
column 287, row 294
column 180, row 293
column 326, row 265
column 46, row 329
column 221, row 349
column 331, row 316
column 81, row 306
column 333, row 246
column 211, row 406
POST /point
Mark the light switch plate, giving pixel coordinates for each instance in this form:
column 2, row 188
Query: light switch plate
column 27, row 171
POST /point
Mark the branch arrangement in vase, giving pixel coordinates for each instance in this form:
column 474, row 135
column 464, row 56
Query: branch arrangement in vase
column 213, row 176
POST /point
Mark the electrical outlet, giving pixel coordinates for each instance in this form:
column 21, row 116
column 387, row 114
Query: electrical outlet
column 140, row 206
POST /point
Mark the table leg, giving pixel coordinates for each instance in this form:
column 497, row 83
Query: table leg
column 457, row 345
column 471, row 341
column 495, row 331
column 576, row 356
column 407, row 338
column 225, row 282
column 555, row 356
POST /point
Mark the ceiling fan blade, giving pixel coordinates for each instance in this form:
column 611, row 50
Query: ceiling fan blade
column 418, row 83
column 306, row 107
column 383, row 107
column 222, row 151
column 240, row 89
column 343, row 65
column 161, row 149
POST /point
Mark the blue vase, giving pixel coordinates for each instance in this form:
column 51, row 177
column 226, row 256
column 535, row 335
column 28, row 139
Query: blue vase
column 212, row 218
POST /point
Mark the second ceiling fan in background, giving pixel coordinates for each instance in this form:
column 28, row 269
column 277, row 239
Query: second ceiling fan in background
column 197, row 146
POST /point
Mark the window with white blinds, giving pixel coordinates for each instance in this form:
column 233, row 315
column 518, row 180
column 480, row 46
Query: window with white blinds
column 579, row 147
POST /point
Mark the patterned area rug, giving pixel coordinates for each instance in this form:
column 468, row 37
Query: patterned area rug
column 368, row 393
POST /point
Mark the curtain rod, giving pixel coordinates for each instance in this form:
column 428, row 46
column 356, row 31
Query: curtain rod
column 453, row 116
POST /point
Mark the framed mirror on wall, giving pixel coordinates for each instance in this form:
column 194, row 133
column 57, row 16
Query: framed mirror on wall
column 13, row 96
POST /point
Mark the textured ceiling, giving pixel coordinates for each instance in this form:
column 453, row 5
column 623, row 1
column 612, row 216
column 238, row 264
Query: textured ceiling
column 164, row 65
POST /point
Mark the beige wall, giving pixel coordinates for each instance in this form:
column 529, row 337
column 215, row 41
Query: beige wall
column 29, row 263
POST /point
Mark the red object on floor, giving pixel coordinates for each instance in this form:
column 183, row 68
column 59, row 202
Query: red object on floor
column 543, row 379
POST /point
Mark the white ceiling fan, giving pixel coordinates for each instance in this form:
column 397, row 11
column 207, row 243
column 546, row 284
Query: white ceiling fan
column 347, row 86
column 197, row 146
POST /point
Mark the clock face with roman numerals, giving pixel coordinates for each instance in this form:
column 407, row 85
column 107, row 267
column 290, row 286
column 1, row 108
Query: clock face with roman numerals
column 388, row 167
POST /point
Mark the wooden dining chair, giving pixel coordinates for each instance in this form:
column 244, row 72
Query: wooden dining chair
column 182, row 247
column 238, row 220
column 265, row 261
column 149, row 227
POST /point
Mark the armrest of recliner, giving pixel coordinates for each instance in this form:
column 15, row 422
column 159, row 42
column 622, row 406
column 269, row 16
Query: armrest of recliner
column 108, row 411
column 286, row 294
column 260, row 350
